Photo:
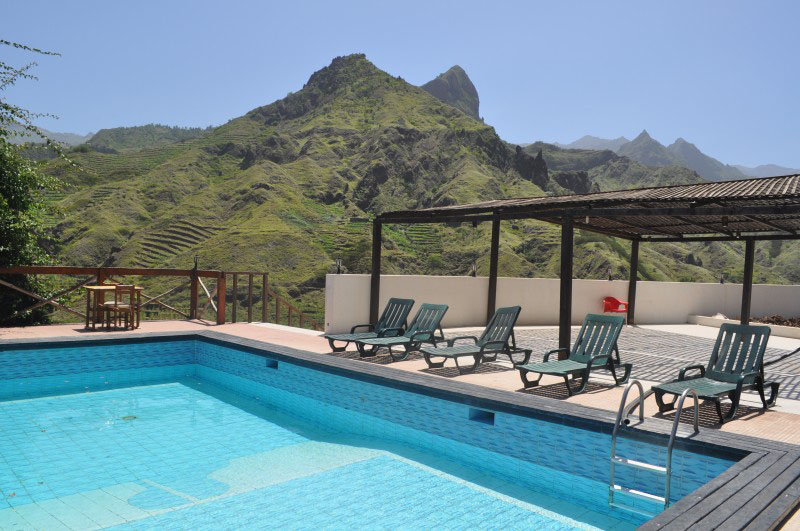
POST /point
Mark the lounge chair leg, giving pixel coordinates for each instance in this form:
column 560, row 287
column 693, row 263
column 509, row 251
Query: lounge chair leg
column 334, row 348
column 773, row 394
column 400, row 357
column 464, row 370
column 626, row 375
column 528, row 383
column 582, row 387
column 364, row 353
column 734, row 397
column 433, row 364
column 662, row 406
column 566, row 382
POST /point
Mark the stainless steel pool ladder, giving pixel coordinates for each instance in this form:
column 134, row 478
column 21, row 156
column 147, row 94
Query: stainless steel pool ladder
column 622, row 420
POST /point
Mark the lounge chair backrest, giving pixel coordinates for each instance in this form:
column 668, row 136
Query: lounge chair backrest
column 428, row 319
column 394, row 314
column 501, row 326
column 739, row 349
column 597, row 337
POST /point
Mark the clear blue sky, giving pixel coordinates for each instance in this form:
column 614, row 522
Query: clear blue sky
column 724, row 75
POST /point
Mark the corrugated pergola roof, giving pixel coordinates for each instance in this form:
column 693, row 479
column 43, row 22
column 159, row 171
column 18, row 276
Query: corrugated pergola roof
column 763, row 208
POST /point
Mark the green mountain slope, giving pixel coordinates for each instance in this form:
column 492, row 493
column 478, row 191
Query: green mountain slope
column 275, row 190
column 286, row 189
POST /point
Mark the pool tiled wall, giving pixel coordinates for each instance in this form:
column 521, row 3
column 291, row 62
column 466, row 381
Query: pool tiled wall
column 528, row 449
column 72, row 367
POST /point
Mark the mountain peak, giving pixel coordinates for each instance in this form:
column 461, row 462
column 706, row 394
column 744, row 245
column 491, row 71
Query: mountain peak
column 683, row 143
column 648, row 151
column 455, row 88
column 342, row 71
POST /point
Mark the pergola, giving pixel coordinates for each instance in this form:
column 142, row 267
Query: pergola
column 745, row 210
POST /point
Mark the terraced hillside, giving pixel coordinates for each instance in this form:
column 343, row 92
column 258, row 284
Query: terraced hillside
column 288, row 189
column 159, row 247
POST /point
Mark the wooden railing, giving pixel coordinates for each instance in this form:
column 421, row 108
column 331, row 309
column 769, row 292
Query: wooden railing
column 292, row 312
column 216, row 297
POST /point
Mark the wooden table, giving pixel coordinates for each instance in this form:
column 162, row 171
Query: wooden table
column 95, row 297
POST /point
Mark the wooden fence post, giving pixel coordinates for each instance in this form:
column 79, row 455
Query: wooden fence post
column 250, row 298
column 193, row 296
column 235, row 300
column 221, row 299
column 264, row 298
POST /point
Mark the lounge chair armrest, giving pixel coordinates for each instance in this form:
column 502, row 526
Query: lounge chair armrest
column 451, row 342
column 423, row 333
column 745, row 375
column 395, row 332
column 526, row 356
column 493, row 345
column 598, row 357
column 701, row 368
column 551, row 352
column 369, row 328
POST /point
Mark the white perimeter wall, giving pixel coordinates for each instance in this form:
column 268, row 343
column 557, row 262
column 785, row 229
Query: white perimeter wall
column 347, row 299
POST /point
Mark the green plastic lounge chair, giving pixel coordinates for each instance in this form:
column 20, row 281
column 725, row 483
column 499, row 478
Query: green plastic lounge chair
column 592, row 351
column 421, row 330
column 394, row 316
column 497, row 338
column 736, row 365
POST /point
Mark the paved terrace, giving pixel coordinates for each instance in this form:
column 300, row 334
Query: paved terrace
column 657, row 352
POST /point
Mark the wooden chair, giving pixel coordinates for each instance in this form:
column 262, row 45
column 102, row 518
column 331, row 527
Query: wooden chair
column 123, row 305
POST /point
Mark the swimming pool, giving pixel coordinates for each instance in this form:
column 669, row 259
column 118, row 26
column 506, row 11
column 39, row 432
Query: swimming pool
column 193, row 432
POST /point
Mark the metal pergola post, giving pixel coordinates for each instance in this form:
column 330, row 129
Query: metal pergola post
column 494, row 253
column 747, row 281
column 633, row 277
column 565, row 304
column 375, row 281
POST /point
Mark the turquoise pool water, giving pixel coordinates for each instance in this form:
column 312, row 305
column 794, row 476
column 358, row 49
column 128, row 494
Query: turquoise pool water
column 191, row 433
column 189, row 455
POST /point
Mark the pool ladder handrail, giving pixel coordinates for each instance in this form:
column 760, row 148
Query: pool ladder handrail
column 622, row 420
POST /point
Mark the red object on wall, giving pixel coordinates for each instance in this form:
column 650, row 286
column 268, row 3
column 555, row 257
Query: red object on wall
column 612, row 305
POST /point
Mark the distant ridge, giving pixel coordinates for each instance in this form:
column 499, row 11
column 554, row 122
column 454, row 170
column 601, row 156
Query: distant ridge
column 689, row 156
column 593, row 142
column 644, row 149
column 766, row 170
column 70, row 139
column 455, row 88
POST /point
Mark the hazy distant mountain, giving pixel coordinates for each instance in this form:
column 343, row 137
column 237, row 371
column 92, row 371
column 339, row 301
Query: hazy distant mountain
column 708, row 167
column 593, row 142
column 648, row 151
column 766, row 170
column 70, row 139
column 455, row 88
